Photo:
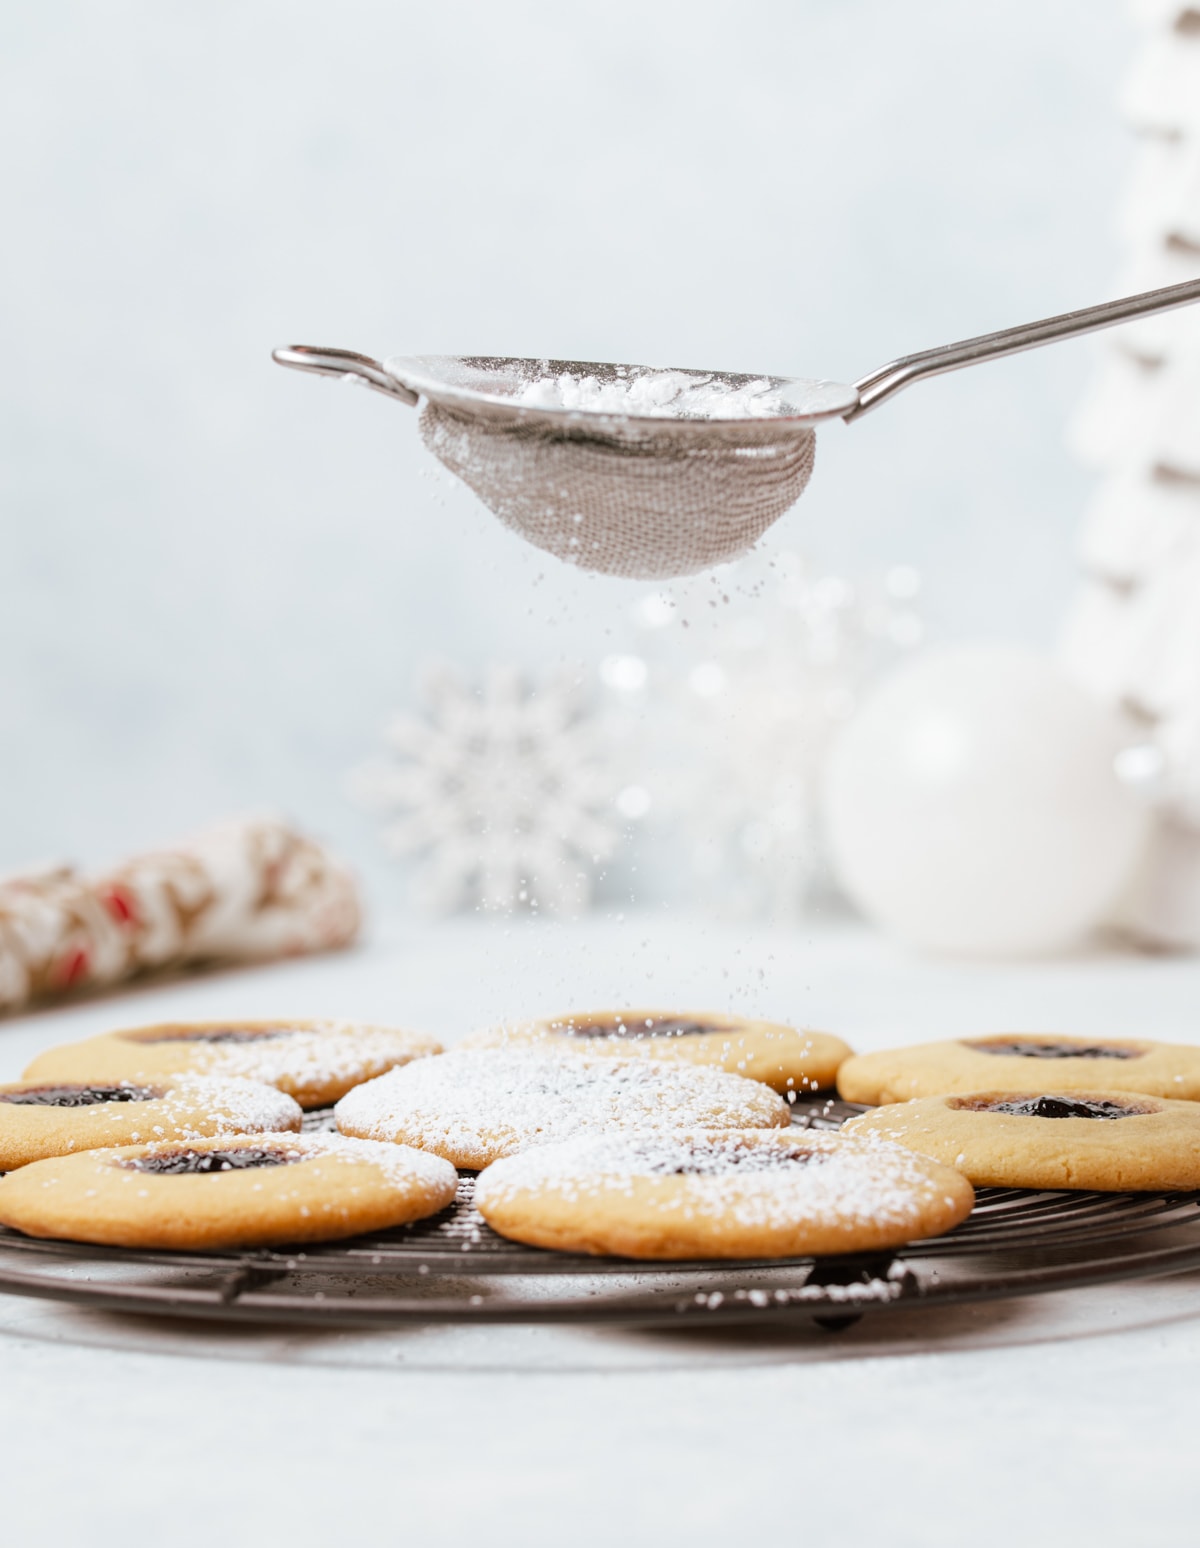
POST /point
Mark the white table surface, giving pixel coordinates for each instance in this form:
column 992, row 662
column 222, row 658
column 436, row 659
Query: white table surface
column 1060, row 1417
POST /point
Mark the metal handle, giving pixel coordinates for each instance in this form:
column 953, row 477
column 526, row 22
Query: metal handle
column 890, row 379
column 345, row 363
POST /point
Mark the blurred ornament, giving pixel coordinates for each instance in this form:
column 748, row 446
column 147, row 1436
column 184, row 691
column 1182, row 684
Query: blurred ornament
column 505, row 791
column 744, row 679
column 974, row 806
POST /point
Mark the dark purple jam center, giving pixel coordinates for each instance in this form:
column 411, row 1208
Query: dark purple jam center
column 177, row 1162
column 1061, row 1107
column 221, row 1035
column 79, row 1096
column 664, row 1026
column 1024, row 1048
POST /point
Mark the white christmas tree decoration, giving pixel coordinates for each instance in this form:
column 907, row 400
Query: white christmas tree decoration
column 1133, row 635
column 504, row 792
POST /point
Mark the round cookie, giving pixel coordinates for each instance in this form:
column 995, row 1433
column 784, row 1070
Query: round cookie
column 756, row 1194
column 314, row 1061
column 237, row 1191
column 39, row 1120
column 1107, row 1140
column 480, row 1104
column 1022, row 1062
column 785, row 1058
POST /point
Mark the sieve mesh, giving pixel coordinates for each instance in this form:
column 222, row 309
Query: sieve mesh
column 639, row 501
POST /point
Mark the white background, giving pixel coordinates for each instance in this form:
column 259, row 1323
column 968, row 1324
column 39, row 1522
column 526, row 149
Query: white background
column 217, row 578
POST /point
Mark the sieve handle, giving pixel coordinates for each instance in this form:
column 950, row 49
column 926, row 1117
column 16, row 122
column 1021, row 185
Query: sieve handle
column 344, row 363
column 890, row 379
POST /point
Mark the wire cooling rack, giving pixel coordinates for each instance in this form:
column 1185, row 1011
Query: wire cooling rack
column 452, row 1268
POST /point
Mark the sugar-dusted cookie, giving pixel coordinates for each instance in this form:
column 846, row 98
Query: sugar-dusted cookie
column 1022, row 1062
column 479, row 1104
column 1108, row 1140
column 235, row 1191
column 39, row 1120
column 786, row 1058
column 755, row 1194
column 314, row 1061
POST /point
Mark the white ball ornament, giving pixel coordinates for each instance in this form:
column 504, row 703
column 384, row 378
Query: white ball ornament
column 972, row 805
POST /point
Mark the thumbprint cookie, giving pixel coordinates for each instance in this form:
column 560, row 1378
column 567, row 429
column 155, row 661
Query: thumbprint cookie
column 785, row 1058
column 316, row 1062
column 1022, row 1062
column 480, row 1104
column 754, row 1194
column 38, row 1120
column 234, row 1191
column 1105, row 1140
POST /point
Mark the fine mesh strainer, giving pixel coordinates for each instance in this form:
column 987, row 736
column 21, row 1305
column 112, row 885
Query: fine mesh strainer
column 651, row 473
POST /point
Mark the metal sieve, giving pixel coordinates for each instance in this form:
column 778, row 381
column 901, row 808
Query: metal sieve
column 656, row 473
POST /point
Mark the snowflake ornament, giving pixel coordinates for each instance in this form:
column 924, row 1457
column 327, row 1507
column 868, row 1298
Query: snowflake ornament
column 503, row 791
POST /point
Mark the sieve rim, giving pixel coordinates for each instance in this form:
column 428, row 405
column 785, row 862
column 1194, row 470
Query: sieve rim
column 452, row 381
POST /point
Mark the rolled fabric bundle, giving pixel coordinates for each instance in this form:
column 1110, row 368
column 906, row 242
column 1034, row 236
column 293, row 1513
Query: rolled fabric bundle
column 246, row 889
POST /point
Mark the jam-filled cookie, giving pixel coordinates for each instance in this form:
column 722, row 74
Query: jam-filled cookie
column 1022, row 1062
column 756, row 1194
column 1108, row 1140
column 236, row 1191
column 786, row 1058
column 314, row 1061
column 39, row 1120
column 480, row 1104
